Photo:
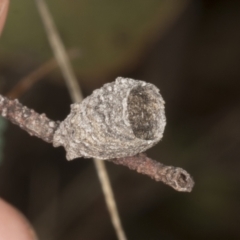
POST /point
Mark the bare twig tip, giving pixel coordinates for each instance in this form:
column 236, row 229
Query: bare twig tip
column 175, row 177
column 179, row 179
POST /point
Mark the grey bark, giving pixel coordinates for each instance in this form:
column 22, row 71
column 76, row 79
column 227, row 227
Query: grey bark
column 117, row 122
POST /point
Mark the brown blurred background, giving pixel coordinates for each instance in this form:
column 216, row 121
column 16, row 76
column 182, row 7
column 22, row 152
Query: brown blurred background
column 191, row 51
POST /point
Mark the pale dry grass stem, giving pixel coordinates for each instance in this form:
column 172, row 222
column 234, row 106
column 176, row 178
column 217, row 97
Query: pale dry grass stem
column 76, row 95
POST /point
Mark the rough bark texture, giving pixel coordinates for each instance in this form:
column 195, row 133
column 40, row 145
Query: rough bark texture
column 138, row 105
column 175, row 177
column 35, row 124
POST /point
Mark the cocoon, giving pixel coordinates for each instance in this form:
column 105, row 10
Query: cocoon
column 120, row 119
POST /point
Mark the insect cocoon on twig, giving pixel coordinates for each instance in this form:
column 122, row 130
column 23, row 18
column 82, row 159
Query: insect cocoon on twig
column 120, row 119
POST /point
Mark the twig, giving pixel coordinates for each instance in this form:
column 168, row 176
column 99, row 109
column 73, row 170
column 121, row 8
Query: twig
column 42, row 127
column 27, row 82
column 107, row 189
column 35, row 124
column 174, row 177
column 76, row 95
column 59, row 51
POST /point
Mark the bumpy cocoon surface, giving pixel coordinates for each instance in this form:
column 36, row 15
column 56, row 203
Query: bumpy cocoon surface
column 120, row 119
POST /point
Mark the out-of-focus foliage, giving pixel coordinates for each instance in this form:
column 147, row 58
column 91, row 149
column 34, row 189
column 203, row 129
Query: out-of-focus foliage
column 110, row 34
column 3, row 125
column 196, row 66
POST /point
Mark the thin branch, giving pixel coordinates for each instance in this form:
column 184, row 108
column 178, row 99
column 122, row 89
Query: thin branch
column 107, row 189
column 35, row 124
column 76, row 95
column 27, row 82
column 44, row 128
column 59, row 51
column 174, row 177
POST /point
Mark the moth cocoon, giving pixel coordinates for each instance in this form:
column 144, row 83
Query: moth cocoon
column 120, row 119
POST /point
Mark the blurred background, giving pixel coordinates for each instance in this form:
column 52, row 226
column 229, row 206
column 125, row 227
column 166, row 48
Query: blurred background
column 188, row 49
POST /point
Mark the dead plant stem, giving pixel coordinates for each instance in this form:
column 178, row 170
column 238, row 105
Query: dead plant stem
column 76, row 95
